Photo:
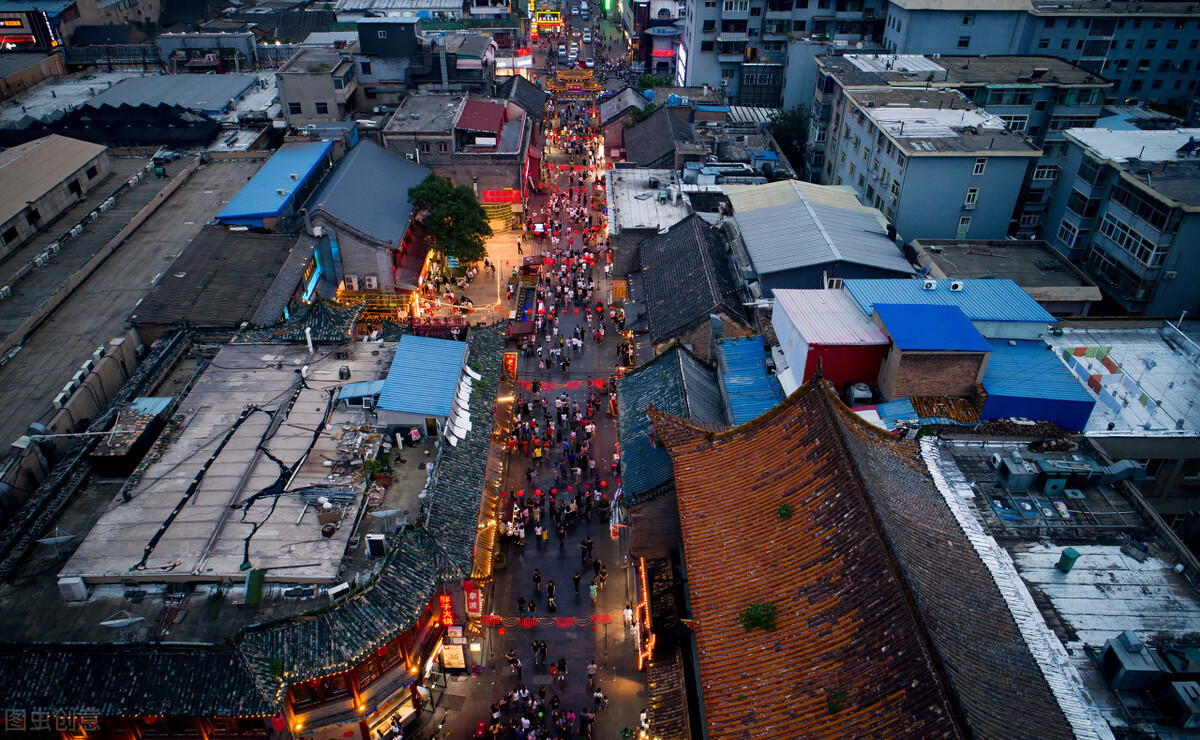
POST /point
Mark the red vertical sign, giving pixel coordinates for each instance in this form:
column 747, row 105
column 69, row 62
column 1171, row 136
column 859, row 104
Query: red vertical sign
column 510, row 364
column 474, row 603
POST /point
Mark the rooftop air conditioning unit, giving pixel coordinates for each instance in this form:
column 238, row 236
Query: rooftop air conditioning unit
column 956, row 286
column 61, row 400
column 371, row 282
column 294, row 176
column 929, row 285
column 88, row 366
column 78, row 378
column 280, row 192
column 352, row 283
column 408, row 156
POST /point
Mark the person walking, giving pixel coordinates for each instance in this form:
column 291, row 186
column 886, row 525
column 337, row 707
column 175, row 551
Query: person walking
column 576, row 578
column 592, row 669
column 593, row 591
column 537, row 581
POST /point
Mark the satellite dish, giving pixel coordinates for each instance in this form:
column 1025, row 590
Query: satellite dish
column 121, row 619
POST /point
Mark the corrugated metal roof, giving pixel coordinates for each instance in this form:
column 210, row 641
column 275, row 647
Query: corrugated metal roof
column 481, row 115
column 260, row 198
column 361, row 389
column 827, row 317
column 29, row 171
column 790, row 224
column 749, row 389
column 424, row 376
column 980, row 300
column 211, row 94
column 1031, row 370
column 368, row 191
column 920, row 327
column 151, row 404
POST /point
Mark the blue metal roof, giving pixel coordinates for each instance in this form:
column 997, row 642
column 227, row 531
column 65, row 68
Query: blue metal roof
column 360, row 390
column 750, row 391
column 1031, row 370
column 151, row 404
column 424, row 376
column 936, row 328
column 980, row 300
column 260, row 197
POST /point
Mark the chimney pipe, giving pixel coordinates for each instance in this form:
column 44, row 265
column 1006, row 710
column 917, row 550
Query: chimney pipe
column 307, row 221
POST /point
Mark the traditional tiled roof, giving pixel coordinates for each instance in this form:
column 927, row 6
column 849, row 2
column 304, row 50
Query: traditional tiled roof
column 686, row 277
column 653, row 140
column 335, row 639
column 848, row 657
column 453, row 504
column 110, row 680
column 985, row 656
column 675, row 382
column 525, row 94
column 823, row 461
column 329, row 322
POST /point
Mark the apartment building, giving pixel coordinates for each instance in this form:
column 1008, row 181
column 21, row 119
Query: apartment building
column 1039, row 96
column 935, row 164
column 1148, row 49
column 761, row 51
column 1126, row 208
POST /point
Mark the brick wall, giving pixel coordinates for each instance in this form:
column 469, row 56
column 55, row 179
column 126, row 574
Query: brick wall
column 950, row 374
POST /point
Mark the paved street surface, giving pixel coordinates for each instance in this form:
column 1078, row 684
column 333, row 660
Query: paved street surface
column 569, row 175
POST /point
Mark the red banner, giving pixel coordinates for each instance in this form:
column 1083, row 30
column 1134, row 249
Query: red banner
column 510, row 365
column 474, row 603
column 571, row 384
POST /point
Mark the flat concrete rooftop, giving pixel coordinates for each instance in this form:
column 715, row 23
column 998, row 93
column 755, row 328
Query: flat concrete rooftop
column 246, row 511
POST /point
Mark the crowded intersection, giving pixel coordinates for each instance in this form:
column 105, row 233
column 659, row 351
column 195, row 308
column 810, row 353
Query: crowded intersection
column 560, row 654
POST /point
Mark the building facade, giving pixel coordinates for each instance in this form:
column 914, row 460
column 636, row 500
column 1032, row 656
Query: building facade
column 1126, row 208
column 316, row 84
column 1039, row 96
column 1148, row 50
column 936, row 165
column 760, row 51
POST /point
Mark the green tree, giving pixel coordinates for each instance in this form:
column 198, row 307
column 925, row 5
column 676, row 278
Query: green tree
column 791, row 131
column 647, row 82
column 456, row 221
column 640, row 114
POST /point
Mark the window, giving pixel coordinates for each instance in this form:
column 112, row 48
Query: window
column 1030, row 219
column 980, row 166
column 1040, row 105
column 710, row 3
column 1128, row 44
column 322, row 109
column 1065, row 44
column 1045, row 172
column 1152, row 212
column 294, row 109
column 1043, row 43
column 1067, row 234
column 1049, row 23
column 964, row 42
column 896, row 188
column 964, row 225
column 382, row 34
column 91, row 172
column 798, row 25
column 366, row 67
column 709, row 26
column 706, row 45
column 1129, row 239
column 1158, row 23
column 33, row 217
column 755, row 12
column 10, row 235
column 1193, row 44
column 861, row 180
column 1081, row 205
column 1143, row 65
column 728, row 74
column 969, row 19
column 1151, row 43
column 1172, row 43
column 443, row 147
column 972, row 198
column 1015, row 123
column 74, row 188
column 1054, row 149
column 424, row 146
column 731, row 6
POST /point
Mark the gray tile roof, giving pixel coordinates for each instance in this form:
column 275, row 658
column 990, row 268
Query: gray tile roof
column 368, row 191
column 329, row 322
column 621, row 102
column 113, row 680
column 270, row 309
column 678, row 383
column 218, row 281
column 686, row 277
column 525, row 94
column 985, row 657
column 653, row 140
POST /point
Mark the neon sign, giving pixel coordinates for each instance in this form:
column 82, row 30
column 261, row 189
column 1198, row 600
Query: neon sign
column 447, row 609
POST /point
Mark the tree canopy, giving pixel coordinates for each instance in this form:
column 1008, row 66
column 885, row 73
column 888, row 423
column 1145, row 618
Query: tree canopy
column 791, row 130
column 456, row 221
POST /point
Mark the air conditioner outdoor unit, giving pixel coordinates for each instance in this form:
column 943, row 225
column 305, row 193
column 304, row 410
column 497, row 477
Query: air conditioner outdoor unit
column 70, row 388
column 371, row 282
column 61, row 400
column 280, row 192
column 956, row 285
column 78, row 378
column 929, row 285
column 88, row 366
column 352, row 283
column 1170, row 275
column 408, row 156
